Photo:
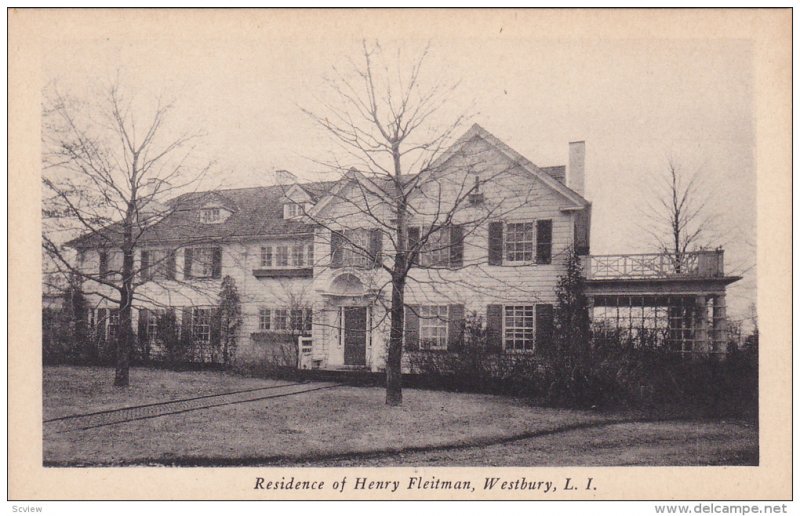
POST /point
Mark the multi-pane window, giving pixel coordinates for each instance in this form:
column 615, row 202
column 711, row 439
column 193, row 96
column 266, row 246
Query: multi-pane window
column 298, row 256
column 432, row 327
column 113, row 322
column 152, row 323
column 282, row 256
column 209, row 215
column 280, row 319
column 518, row 327
column 354, row 251
column 283, row 319
column 264, row 319
column 519, row 242
column 292, row 210
column 266, row 256
column 436, row 250
column 201, row 324
column 202, row 262
column 310, row 254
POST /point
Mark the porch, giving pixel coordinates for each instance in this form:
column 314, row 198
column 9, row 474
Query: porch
column 660, row 300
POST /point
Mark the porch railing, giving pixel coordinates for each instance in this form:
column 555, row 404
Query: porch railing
column 697, row 264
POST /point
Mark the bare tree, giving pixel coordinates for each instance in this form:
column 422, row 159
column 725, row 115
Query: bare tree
column 677, row 216
column 402, row 183
column 107, row 175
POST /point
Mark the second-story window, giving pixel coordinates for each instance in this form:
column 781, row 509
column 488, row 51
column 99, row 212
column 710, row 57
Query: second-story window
column 355, row 246
column 519, row 242
column 436, row 251
column 285, row 256
column 282, row 256
column 202, row 262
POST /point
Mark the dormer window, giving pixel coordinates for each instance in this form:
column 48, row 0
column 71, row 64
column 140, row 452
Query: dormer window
column 292, row 210
column 210, row 215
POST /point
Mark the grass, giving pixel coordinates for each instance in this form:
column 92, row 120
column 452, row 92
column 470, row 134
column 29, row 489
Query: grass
column 353, row 426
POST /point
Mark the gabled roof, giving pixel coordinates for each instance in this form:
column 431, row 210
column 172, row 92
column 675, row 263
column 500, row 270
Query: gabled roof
column 548, row 177
column 255, row 211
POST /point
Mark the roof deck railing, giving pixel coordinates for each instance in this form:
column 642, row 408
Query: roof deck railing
column 696, row 264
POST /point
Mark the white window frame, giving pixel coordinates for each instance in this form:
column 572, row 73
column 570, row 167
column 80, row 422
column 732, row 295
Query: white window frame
column 280, row 315
column 271, row 254
column 532, row 243
column 436, row 251
column 432, row 320
column 197, row 311
column 202, row 257
column 112, row 322
column 521, row 329
column 210, row 215
column 264, row 316
column 354, row 248
column 292, row 210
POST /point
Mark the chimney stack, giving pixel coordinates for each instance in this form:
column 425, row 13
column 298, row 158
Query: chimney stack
column 576, row 169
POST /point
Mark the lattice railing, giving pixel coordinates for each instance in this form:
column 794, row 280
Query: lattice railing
column 699, row 264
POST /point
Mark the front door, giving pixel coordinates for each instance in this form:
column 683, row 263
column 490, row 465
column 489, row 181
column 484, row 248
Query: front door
column 355, row 335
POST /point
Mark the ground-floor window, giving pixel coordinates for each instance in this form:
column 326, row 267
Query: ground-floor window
column 432, row 327
column 298, row 320
column 113, row 322
column 518, row 327
column 201, row 324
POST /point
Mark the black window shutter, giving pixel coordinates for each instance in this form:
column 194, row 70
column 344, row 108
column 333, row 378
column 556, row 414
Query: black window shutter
column 544, row 241
column 216, row 262
column 413, row 240
column 187, row 263
column 171, row 265
column 544, row 328
column 494, row 327
column 186, row 324
column 308, row 321
column 455, row 328
column 144, row 317
column 582, row 232
column 337, row 249
column 102, row 322
column 216, row 327
column 456, row 246
column 103, row 257
column 144, row 266
column 411, row 334
column 495, row 243
column 376, row 247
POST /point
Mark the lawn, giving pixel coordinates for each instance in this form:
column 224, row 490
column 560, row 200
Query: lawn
column 352, row 426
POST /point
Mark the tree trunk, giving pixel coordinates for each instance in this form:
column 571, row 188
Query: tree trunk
column 124, row 338
column 394, row 378
column 125, row 330
column 394, row 359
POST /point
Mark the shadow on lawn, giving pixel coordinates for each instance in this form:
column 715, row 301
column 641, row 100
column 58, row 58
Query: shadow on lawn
column 748, row 458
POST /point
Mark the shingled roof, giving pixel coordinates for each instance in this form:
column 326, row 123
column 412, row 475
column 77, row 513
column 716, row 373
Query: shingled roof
column 256, row 211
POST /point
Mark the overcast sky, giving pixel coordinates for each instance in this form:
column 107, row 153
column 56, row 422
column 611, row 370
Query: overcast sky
column 636, row 103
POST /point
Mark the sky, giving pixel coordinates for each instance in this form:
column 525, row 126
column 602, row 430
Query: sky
column 636, row 102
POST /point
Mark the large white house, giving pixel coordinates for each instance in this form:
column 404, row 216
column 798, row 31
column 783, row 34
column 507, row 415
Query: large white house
column 312, row 264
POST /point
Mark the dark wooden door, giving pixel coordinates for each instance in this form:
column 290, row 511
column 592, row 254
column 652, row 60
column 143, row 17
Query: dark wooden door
column 355, row 335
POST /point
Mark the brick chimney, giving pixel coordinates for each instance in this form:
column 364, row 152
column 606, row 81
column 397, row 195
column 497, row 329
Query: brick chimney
column 576, row 169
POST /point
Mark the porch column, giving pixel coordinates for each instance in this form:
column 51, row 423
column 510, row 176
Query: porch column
column 701, row 341
column 719, row 325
